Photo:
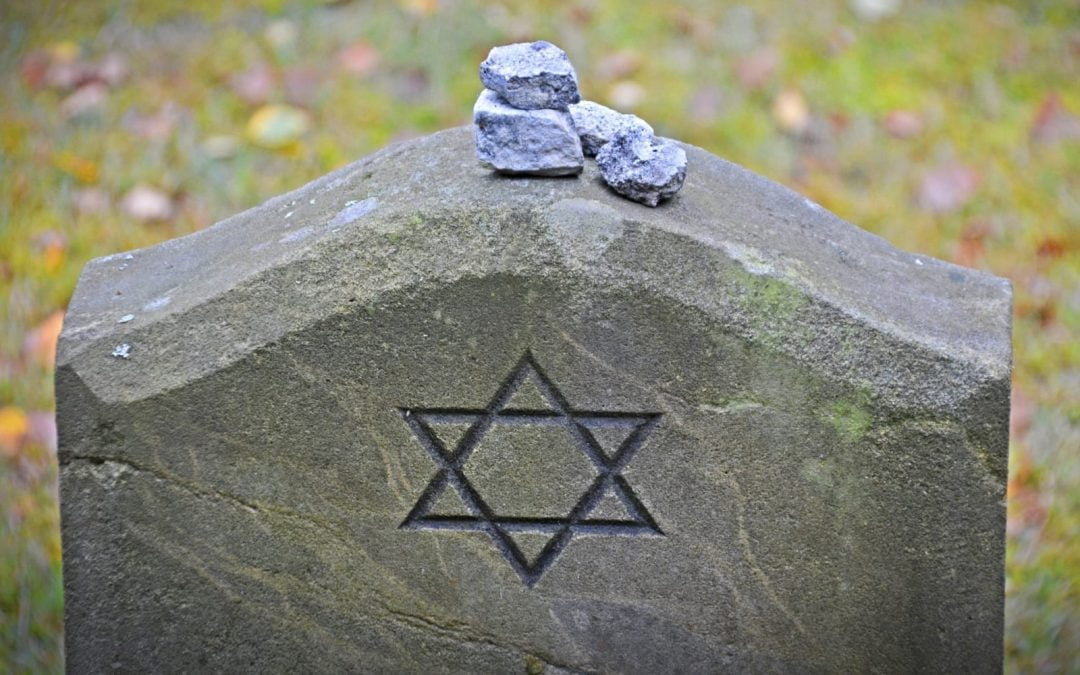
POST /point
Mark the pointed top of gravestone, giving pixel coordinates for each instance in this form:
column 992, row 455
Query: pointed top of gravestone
column 731, row 432
column 778, row 269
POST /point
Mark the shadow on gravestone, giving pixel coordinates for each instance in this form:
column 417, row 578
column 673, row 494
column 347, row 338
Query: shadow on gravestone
column 417, row 417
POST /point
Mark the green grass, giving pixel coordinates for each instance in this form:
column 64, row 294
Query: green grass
column 976, row 74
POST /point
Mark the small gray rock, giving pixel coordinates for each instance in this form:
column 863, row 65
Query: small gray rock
column 525, row 142
column 642, row 167
column 531, row 76
column 596, row 124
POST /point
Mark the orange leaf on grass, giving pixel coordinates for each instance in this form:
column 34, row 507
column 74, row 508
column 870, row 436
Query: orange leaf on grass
column 80, row 168
column 13, row 427
column 53, row 247
column 1051, row 247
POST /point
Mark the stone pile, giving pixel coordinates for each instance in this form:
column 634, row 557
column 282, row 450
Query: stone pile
column 530, row 121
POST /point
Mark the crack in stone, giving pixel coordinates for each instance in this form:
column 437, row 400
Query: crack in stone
column 189, row 486
column 751, row 560
column 203, row 492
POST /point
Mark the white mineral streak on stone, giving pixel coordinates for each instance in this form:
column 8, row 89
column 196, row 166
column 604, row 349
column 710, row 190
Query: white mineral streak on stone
column 298, row 235
column 108, row 473
column 597, row 124
column 525, row 142
column 354, row 210
column 642, row 167
column 531, row 76
column 122, row 351
column 752, row 260
column 157, row 303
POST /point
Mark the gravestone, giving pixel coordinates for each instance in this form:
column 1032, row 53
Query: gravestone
column 417, row 417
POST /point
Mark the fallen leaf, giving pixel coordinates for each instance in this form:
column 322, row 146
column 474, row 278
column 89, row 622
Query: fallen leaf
column 874, row 10
column 1015, row 57
column 80, row 168
column 903, row 124
column 221, row 146
column 85, row 99
column 34, row 68
column 147, row 204
column 302, row 85
column 254, row 85
column 626, row 95
column 1051, row 247
column 277, row 126
column 112, row 69
column 359, row 58
column 53, row 247
column 756, row 68
column 90, row 201
column 619, row 65
column 13, row 428
column 41, row 429
column 840, row 40
column 65, row 71
column 791, row 112
column 281, row 33
column 1040, row 301
column 64, row 51
column 420, row 8
column 158, row 126
column 972, row 244
column 947, row 187
column 705, row 104
column 1021, row 413
column 39, row 345
column 412, row 86
column 1053, row 122
column 582, row 16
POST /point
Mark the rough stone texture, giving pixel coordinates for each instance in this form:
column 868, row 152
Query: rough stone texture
column 818, row 462
column 642, row 167
column 531, row 75
column 525, row 142
column 597, row 124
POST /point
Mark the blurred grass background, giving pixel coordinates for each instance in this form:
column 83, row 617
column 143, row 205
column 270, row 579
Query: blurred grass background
column 951, row 128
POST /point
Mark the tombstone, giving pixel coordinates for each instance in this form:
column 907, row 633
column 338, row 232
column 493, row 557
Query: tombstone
column 417, row 417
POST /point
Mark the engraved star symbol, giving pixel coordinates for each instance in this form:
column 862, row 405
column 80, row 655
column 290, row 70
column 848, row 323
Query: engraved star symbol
column 582, row 426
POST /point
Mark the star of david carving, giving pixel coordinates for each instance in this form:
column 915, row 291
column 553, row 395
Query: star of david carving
column 582, row 426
